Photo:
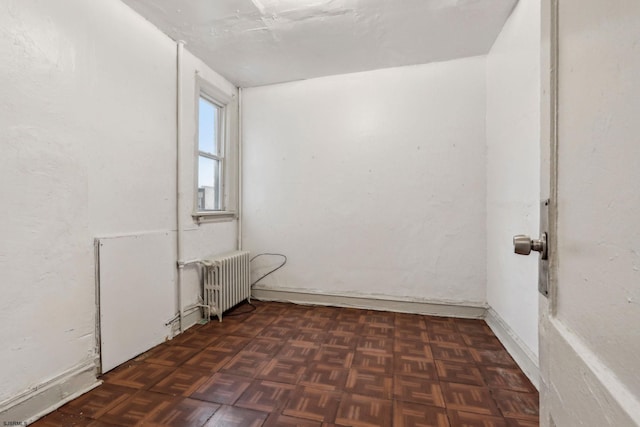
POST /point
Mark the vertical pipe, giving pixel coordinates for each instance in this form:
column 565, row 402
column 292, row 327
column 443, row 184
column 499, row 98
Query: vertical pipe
column 179, row 53
column 240, row 192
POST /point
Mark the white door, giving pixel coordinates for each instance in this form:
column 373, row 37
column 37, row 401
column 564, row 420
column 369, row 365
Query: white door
column 590, row 324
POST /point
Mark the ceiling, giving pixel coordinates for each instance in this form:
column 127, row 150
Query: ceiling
column 259, row 42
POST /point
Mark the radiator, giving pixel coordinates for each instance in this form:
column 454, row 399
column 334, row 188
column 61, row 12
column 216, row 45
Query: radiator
column 227, row 281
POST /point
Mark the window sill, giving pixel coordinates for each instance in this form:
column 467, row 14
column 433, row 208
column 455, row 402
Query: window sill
column 218, row 216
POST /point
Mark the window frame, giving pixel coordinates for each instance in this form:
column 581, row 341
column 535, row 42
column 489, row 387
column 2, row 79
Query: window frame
column 221, row 100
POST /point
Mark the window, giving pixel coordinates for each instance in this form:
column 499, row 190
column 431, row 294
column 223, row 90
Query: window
column 216, row 153
column 211, row 156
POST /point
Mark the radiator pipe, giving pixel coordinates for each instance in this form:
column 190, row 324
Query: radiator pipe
column 240, row 192
column 179, row 53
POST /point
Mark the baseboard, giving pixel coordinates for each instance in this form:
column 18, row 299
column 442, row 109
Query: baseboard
column 371, row 302
column 38, row 401
column 523, row 356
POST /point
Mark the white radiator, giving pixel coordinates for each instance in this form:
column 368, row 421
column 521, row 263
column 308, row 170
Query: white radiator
column 227, row 281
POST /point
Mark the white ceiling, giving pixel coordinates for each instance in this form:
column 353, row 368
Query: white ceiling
column 258, row 42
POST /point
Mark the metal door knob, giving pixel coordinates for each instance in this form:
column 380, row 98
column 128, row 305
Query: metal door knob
column 523, row 245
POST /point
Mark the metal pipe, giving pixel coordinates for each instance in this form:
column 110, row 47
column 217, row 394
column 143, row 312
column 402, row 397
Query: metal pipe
column 240, row 121
column 179, row 53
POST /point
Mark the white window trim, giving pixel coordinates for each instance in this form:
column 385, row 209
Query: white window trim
column 222, row 99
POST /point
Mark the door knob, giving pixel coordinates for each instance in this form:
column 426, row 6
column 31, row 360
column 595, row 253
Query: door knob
column 523, row 245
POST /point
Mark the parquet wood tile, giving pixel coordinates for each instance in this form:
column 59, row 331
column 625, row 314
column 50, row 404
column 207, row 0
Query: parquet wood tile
column 276, row 332
column 222, row 388
column 346, row 327
column 171, row 355
column 352, row 315
column 270, row 309
column 373, row 361
column 325, row 377
column 380, row 331
column 289, row 365
column 369, row 384
column 341, row 339
column 417, row 390
column 298, row 351
column 230, row 344
column 182, row 382
column 96, row 423
column 230, row 416
column 313, row 404
column 245, row 364
column 370, row 343
column 463, row 373
column 265, row 347
column 322, row 312
column 265, row 396
column 517, row 405
column 447, row 338
column 98, row 401
column 210, row 359
column 364, row 411
column 451, row 352
column 507, row 378
column 137, row 375
column 339, row 357
column 182, row 413
column 214, row 327
column 136, row 408
column 469, row 398
column 249, row 329
column 485, row 356
column 308, row 336
column 279, row 420
column 282, row 370
column 473, row 327
column 374, row 317
column 58, row 418
column 412, row 333
column 512, row 422
column 410, row 321
column 469, row 419
column 195, row 339
column 482, row 341
column 408, row 414
column 412, row 348
column 436, row 323
column 316, row 324
column 415, row 366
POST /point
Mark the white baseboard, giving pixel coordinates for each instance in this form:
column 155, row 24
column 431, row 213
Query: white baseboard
column 371, row 302
column 523, row 356
column 40, row 400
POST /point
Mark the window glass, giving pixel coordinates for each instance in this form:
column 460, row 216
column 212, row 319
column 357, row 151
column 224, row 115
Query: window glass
column 208, row 184
column 208, row 126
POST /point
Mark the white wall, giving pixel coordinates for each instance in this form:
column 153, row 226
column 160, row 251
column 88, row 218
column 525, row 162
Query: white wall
column 371, row 183
column 87, row 149
column 513, row 171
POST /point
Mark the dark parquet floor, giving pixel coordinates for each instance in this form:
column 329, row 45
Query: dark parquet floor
column 291, row 365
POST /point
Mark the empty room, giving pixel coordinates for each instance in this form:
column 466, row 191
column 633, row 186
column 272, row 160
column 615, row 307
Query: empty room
column 320, row 213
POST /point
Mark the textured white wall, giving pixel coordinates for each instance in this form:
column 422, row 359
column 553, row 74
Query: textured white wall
column 513, row 170
column 371, row 183
column 87, row 149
